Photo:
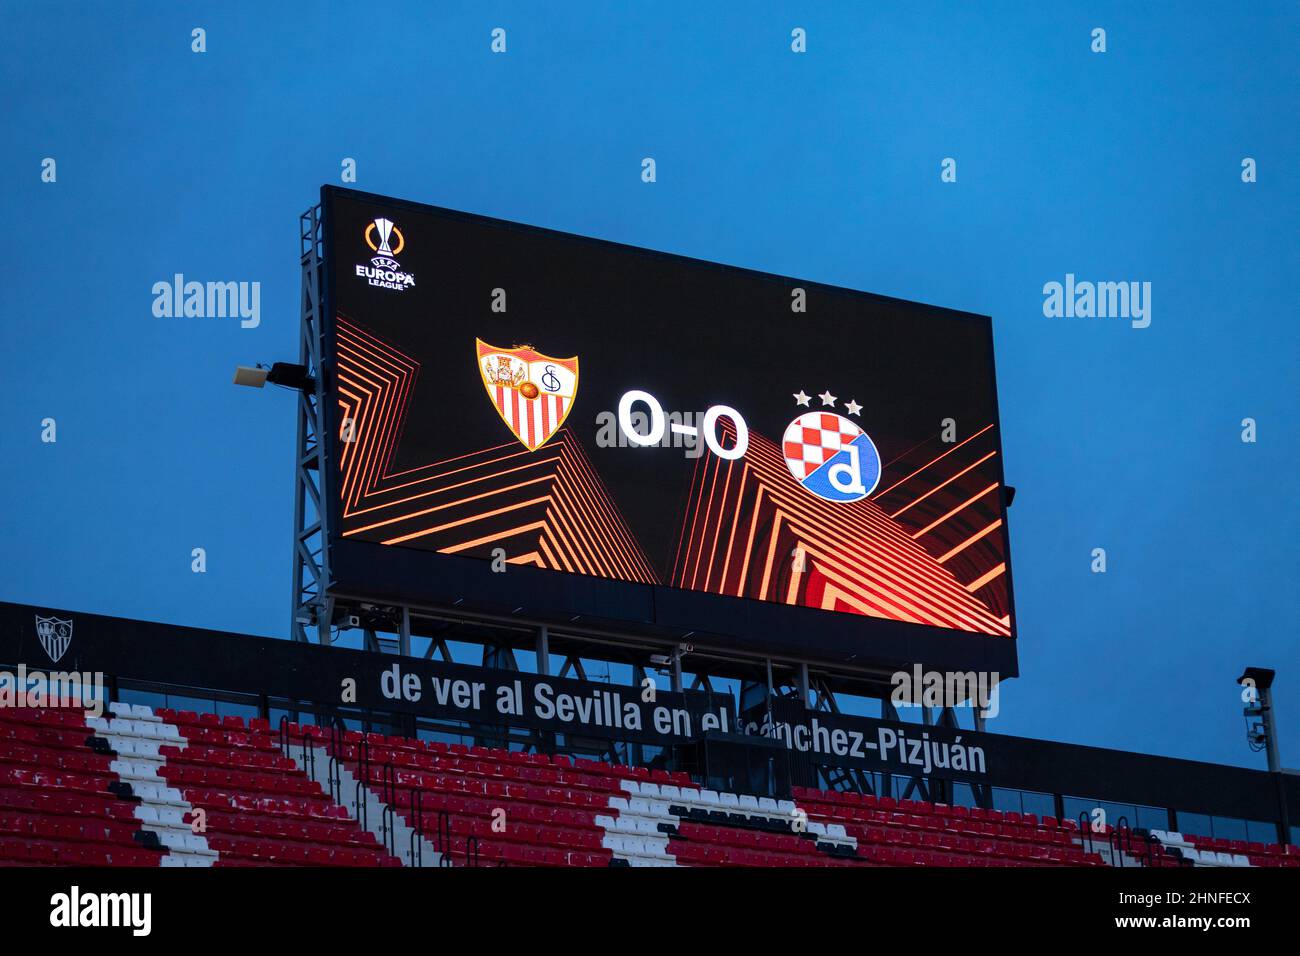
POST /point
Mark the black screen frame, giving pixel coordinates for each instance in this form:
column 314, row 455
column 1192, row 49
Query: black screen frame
column 654, row 612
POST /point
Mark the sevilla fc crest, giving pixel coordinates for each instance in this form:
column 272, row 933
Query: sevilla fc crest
column 55, row 635
column 532, row 392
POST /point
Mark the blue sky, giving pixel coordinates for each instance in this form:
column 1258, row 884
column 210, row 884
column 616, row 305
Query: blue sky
column 1117, row 166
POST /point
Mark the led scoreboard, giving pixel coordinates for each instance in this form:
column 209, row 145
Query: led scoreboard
column 529, row 422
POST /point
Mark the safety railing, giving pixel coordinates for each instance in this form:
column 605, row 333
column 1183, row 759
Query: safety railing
column 388, row 798
column 443, row 842
column 416, row 852
column 1120, row 842
column 359, row 792
column 1085, row 831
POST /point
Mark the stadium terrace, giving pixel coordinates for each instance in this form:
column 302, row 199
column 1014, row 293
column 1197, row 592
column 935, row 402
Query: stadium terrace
column 421, row 779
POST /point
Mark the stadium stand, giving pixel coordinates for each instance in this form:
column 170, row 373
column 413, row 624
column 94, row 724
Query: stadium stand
column 123, row 790
column 507, row 807
column 260, row 807
column 911, row 833
column 652, row 818
column 1209, row 851
column 702, row 827
column 60, row 799
column 485, row 806
column 141, row 741
column 126, row 789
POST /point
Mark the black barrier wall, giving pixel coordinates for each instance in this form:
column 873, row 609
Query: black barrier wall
column 331, row 678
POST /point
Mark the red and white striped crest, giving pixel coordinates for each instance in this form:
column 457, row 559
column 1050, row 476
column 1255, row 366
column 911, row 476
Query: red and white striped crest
column 532, row 392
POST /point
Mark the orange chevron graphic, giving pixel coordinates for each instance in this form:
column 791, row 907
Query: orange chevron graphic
column 751, row 531
column 951, row 506
column 546, row 508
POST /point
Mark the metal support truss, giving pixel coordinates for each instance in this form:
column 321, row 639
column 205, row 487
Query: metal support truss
column 498, row 657
column 837, row 778
column 312, row 606
column 574, row 663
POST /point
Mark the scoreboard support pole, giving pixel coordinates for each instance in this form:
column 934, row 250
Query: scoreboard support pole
column 311, row 605
column 544, row 651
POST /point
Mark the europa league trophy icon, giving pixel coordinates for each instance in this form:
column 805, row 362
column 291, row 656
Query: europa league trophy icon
column 385, row 229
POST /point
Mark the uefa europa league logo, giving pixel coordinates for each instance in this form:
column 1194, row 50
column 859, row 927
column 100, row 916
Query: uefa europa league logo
column 386, row 242
column 385, row 231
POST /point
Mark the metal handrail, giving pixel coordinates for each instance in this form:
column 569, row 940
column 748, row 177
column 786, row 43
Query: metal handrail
column 444, row 839
column 363, row 762
column 1118, row 836
column 1149, row 844
column 334, row 777
column 337, row 730
column 388, row 819
column 1085, row 826
column 308, row 754
column 417, row 828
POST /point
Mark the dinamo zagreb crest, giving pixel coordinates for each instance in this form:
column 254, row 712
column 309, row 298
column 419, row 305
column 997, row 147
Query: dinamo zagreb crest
column 533, row 393
column 831, row 456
